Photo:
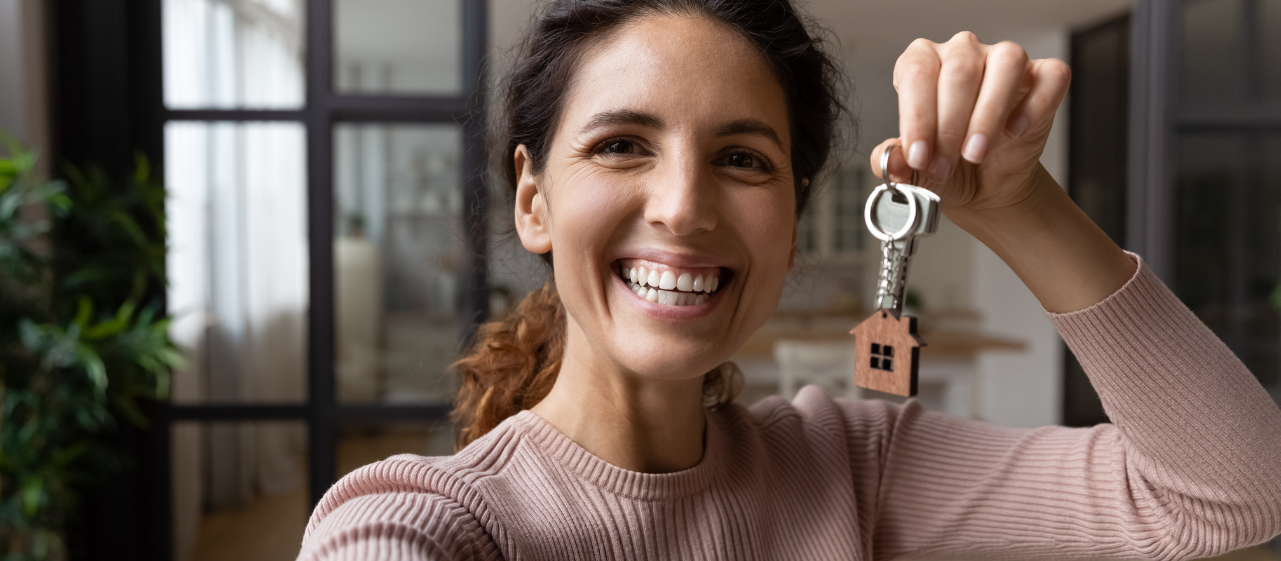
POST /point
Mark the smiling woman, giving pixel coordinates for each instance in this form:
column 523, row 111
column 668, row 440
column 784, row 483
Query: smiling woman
column 659, row 153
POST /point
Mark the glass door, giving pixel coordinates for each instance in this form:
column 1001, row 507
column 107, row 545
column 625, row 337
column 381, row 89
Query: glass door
column 327, row 218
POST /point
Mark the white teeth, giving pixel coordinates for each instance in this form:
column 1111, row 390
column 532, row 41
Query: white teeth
column 669, row 288
column 685, row 282
column 667, row 281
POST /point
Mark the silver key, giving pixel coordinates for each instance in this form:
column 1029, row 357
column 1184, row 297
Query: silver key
column 897, row 214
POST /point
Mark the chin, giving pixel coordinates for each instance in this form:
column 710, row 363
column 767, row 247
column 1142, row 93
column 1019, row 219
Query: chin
column 671, row 358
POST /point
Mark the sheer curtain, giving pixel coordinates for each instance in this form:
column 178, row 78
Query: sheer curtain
column 237, row 261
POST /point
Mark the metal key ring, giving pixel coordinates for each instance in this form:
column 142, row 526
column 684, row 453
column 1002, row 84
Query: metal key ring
column 876, row 195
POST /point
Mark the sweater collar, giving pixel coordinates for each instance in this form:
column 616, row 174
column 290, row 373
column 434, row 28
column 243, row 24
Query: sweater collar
column 633, row 484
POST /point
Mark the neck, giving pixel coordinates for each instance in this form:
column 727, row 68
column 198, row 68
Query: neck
column 636, row 423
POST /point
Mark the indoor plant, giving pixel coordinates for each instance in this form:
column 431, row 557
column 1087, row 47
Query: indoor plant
column 83, row 338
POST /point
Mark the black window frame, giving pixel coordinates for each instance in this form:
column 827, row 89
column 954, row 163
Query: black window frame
column 324, row 108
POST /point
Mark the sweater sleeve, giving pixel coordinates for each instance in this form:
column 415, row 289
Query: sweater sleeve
column 1190, row 466
column 396, row 526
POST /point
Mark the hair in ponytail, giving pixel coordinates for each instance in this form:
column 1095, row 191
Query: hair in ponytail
column 512, row 363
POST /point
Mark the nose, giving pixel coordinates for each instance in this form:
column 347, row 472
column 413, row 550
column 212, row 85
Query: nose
column 682, row 199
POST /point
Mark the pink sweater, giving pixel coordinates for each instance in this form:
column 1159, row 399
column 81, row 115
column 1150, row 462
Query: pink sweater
column 1190, row 468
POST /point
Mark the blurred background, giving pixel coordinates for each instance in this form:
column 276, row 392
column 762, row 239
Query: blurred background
column 332, row 240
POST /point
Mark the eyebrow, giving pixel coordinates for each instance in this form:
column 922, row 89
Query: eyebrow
column 750, row 126
column 623, row 117
column 628, row 117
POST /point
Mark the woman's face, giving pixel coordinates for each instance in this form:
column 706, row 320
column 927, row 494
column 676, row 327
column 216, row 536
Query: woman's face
column 671, row 161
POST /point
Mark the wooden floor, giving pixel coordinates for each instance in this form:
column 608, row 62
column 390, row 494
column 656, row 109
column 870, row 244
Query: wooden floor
column 270, row 528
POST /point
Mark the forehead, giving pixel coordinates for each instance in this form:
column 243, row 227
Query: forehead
column 688, row 70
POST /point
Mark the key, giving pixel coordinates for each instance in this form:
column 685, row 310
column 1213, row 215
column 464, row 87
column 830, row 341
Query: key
column 890, row 212
column 887, row 219
column 888, row 347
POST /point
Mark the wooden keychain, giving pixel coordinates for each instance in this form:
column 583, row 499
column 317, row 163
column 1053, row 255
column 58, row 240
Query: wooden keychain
column 887, row 346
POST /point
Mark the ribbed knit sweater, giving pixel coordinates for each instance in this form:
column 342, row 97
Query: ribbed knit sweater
column 1189, row 467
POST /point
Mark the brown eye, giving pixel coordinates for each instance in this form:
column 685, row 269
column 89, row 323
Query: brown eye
column 743, row 161
column 618, row 147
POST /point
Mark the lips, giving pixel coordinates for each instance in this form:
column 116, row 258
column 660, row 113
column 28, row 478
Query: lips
column 669, row 285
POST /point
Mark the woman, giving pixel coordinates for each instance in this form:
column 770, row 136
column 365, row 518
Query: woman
column 677, row 141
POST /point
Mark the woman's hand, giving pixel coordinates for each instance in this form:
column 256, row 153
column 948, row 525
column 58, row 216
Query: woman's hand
column 974, row 119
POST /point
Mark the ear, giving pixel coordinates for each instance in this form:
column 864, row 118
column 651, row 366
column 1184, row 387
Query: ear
column 533, row 223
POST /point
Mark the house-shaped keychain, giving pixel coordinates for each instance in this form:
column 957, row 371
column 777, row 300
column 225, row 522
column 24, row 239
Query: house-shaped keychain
column 888, row 350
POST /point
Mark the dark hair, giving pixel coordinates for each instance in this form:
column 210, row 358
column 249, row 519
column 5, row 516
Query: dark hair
column 513, row 362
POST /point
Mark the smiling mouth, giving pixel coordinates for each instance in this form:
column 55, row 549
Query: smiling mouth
column 671, row 286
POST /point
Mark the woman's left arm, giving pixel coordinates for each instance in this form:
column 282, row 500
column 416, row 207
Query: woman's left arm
column 1195, row 450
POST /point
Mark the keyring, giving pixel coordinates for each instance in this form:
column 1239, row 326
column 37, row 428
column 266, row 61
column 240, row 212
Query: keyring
column 876, row 195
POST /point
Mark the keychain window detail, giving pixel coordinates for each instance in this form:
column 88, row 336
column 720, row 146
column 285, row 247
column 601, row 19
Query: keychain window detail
column 882, row 357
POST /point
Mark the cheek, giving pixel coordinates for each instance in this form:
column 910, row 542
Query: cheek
column 767, row 226
column 584, row 218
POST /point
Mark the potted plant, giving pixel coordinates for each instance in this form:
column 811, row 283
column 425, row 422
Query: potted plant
column 83, row 339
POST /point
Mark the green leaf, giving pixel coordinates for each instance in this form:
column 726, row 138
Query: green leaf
column 31, row 335
column 162, row 386
column 94, row 368
column 141, row 169
column 84, row 311
column 33, row 493
column 130, row 227
column 112, row 326
column 172, row 358
column 130, row 408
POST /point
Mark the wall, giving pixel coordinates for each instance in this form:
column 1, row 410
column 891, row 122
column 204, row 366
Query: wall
column 23, row 109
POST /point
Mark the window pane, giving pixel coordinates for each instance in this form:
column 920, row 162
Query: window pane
column 239, row 490
column 851, row 188
column 1211, row 57
column 397, row 256
column 1228, row 241
column 398, row 46
column 244, row 54
column 1269, row 51
column 363, row 445
column 237, row 260
column 1231, row 52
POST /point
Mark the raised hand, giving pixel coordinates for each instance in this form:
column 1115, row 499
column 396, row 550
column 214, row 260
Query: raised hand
column 973, row 120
